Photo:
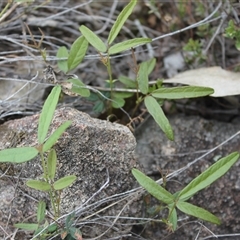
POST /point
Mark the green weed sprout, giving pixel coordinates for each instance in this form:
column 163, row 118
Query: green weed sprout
column 178, row 199
column 48, row 158
column 195, row 53
column 233, row 32
column 151, row 96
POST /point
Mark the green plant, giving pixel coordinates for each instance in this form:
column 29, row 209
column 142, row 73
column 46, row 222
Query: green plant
column 112, row 97
column 193, row 52
column 152, row 4
column 69, row 232
column 42, row 226
column 48, row 157
column 178, row 199
column 233, row 32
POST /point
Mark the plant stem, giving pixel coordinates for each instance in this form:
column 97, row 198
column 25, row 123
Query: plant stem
column 44, row 167
column 52, row 195
column 5, row 8
column 52, row 192
column 109, row 70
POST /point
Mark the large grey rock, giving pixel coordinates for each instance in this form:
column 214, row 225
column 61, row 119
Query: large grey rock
column 94, row 150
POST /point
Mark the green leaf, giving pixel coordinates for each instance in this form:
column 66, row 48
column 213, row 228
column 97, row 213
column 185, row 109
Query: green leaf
column 99, row 107
column 157, row 113
column 79, row 87
column 75, row 233
column 142, row 77
column 18, row 155
column 77, row 52
column 182, row 92
column 64, row 182
column 52, row 164
column 151, row 65
column 125, row 45
column 128, row 82
column 237, row 45
column 117, row 102
column 52, row 228
column 70, row 220
column 38, row 185
column 93, row 97
column 122, row 94
column 93, row 39
column 152, row 187
column 197, row 212
column 40, row 228
column 122, row 17
column 173, row 218
column 47, row 113
column 230, row 30
column 55, row 136
column 41, row 211
column 62, row 64
column 27, row 226
column 206, row 178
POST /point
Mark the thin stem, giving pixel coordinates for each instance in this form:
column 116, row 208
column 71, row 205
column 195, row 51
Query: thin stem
column 44, row 167
column 5, row 9
column 52, row 195
column 52, row 192
column 109, row 70
column 136, row 68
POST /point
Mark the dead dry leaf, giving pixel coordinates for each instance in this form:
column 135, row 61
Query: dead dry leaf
column 224, row 83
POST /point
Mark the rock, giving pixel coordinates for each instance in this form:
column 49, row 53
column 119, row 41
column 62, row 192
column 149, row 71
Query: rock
column 194, row 136
column 95, row 151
